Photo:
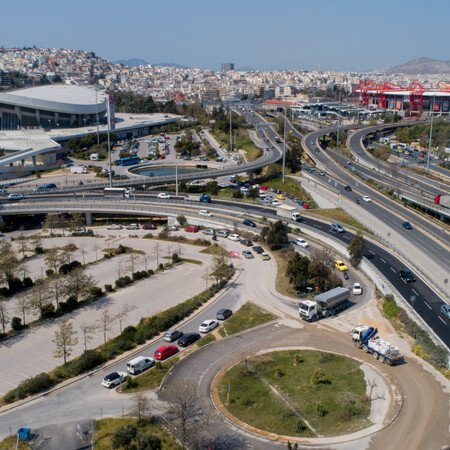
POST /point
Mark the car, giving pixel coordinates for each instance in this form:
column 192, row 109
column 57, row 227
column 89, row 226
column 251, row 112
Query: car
column 357, row 289
column 163, row 195
column 311, row 170
column 174, row 227
column 207, row 326
column 348, row 188
column 114, row 379
column 162, row 157
column 367, row 199
column 133, row 226
column 139, row 364
column 281, row 197
column 337, row 228
column 340, row 265
column 246, row 242
column 264, row 188
column 15, row 197
column 445, row 310
column 275, row 202
column 188, row 339
column 222, row 233
column 407, row 225
column 144, row 160
column 306, row 206
column 234, row 237
column 248, row 254
column 249, row 223
column 191, row 229
column 322, row 173
column 39, row 189
column 149, row 226
column 205, row 212
column 407, row 276
column 257, row 249
column 223, row 314
column 301, row 243
column 3, row 191
column 208, row 231
column 165, row 352
column 265, row 256
column 114, row 226
column 173, row 335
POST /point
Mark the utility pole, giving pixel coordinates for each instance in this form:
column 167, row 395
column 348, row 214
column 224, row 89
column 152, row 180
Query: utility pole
column 339, row 118
column 109, row 143
column 231, row 137
column 431, row 133
column 96, row 114
column 284, row 142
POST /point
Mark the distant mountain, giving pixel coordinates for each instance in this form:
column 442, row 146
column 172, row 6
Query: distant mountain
column 133, row 62
column 422, row 66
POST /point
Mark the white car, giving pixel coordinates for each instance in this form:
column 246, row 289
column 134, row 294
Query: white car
column 144, row 160
column 207, row 326
column 275, row 202
column 357, row 289
column 163, row 195
column 15, row 197
column 301, row 243
column 114, row 227
column 367, row 199
column 205, row 212
column 234, row 237
column 114, row 379
column 132, row 226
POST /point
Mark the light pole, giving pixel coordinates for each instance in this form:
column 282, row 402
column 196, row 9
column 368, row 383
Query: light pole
column 96, row 115
column 431, row 133
column 339, row 108
column 284, row 143
column 49, row 123
column 231, row 138
column 109, row 144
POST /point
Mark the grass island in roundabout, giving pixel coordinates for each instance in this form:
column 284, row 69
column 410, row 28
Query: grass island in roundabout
column 299, row 393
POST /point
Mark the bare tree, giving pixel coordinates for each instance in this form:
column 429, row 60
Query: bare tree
column 22, row 243
column 87, row 332
column 157, row 253
column 3, row 315
column 206, row 276
column 24, row 303
column 36, row 242
column 141, row 407
column 169, row 251
column 8, row 261
column 51, row 222
column 55, row 286
column 66, row 252
column 104, row 323
column 54, row 259
column 119, row 269
column 95, row 250
column 65, row 339
column 78, row 283
column 76, row 222
column 40, row 294
column 123, row 313
column 324, row 257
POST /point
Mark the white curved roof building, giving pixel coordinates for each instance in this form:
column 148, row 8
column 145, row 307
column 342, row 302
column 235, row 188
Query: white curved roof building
column 51, row 106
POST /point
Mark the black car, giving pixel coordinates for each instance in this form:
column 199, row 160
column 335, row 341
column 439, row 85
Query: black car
column 223, row 314
column 188, row 339
column 348, row 188
column 407, row 225
column 246, row 242
column 257, row 249
column 249, row 223
column 407, row 275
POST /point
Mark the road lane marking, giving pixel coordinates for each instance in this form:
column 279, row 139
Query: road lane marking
column 370, row 251
column 415, row 292
column 427, row 304
column 383, row 260
column 443, row 321
column 393, row 270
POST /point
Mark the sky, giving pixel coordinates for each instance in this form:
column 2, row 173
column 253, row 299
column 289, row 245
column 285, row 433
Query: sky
column 345, row 35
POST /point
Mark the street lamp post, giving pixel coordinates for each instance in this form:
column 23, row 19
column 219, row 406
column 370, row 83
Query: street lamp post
column 339, row 108
column 431, row 133
column 96, row 115
column 284, row 143
column 109, row 145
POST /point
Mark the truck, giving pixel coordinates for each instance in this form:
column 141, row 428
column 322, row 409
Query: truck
column 325, row 304
column 116, row 192
column 199, row 198
column 289, row 212
column 78, row 169
column 365, row 338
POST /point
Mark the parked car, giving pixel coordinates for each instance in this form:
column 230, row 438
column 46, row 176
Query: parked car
column 223, row 314
column 249, row 223
column 188, row 339
column 207, row 326
column 15, row 197
column 133, row 226
column 208, row 231
column 337, row 228
column 165, row 352
column 173, row 335
column 149, row 226
column 281, row 197
column 163, row 195
column 114, row 226
column 234, row 237
column 407, row 225
column 340, row 265
column 114, row 379
column 191, row 229
column 275, row 202
column 357, row 289
column 139, row 364
column 265, row 256
column 173, row 228
column 407, row 276
column 222, row 233
column 248, row 254
column 246, row 242
column 257, row 249
column 301, row 242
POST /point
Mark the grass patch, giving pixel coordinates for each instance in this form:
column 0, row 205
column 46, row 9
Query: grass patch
column 192, row 261
column 248, row 316
column 278, row 391
column 9, row 443
column 206, row 340
column 151, row 379
column 243, row 142
column 339, row 215
column 215, row 250
column 105, row 428
column 292, row 187
column 282, row 284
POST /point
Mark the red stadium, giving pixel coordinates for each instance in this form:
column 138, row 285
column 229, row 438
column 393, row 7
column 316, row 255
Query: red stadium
column 413, row 100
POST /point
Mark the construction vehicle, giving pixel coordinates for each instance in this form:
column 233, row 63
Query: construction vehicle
column 325, row 304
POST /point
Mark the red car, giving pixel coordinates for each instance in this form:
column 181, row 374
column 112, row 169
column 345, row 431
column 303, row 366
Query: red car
column 165, row 351
column 191, row 229
column 149, row 226
column 162, row 157
column 306, row 206
column 264, row 188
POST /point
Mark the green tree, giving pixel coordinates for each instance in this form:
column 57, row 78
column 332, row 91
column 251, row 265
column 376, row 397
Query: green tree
column 78, row 284
column 297, row 271
column 8, row 262
column 123, row 437
column 355, row 249
column 212, row 188
column 181, row 219
column 76, row 222
column 276, row 235
column 65, row 339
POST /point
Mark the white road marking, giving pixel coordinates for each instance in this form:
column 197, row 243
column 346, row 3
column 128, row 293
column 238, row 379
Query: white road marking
column 415, row 292
column 383, row 260
column 393, row 270
column 427, row 305
column 443, row 321
column 370, row 251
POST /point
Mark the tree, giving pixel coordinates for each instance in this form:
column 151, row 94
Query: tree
column 276, row 235
column 51, row 222
column 124, row 436
column 355, row 249
column 87, row 332
column 65, row 339
column 3, row 315
column 148, row 442
column 24, row 301
column 123, row 313
column 40, row 295
column 297, row 271
column 53, row 259
column 104, row 323
column 8, row 262
column 220, row 268
column 78, row 284
column 141, row 407
column 181, row 219
column 76, row 222
column 323, row 256
column 22, row 244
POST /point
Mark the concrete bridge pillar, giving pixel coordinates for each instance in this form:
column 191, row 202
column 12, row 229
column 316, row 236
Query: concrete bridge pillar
column 1, row 219
column 33, row 160
column 22, row 162
column 250, row 176
column 88, row 218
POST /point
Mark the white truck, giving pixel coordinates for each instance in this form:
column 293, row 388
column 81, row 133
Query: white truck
column 289, row 212
column 325, row 304
column 78, row 169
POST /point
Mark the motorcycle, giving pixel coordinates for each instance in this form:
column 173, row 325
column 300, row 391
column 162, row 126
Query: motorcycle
column 214, row 238
column 346, row 275
column 357, row 201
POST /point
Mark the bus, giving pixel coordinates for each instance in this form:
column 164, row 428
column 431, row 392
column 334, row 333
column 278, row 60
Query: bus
column 129, row 161
column 116, row 192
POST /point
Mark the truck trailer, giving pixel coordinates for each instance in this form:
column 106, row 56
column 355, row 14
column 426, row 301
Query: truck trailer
column 199, row 198
column 78, row 169
column 289, row 212
column 326, row 304
column 366, row 338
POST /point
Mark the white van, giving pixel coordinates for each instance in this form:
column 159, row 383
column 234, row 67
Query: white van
column 139, row 364
column 94, row 157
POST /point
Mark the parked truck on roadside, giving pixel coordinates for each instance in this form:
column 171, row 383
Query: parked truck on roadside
column 365, row 338
column 199, row 198
column 289, row 212
column 326, row 304
column 78, row 169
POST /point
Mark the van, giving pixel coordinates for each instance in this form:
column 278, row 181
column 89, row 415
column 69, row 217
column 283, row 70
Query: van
column 94, row 157
column 139, row 364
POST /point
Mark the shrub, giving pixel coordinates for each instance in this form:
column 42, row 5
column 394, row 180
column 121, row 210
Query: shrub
column 47, row 311
column 298, row 358
column 49, row 273
column 150, row 272
column 175, row 258
column 161, row 266
column 390, row 307
column 279, row 373
column 319, row 378
column 124, row 436
column 87, row 361
column 300, row 426
column 34, row 385
column 320, row 410
column 120, row 283
column 16, row 323
column 95, row 292
column 69, row 267
column 38, row 250
column 27, row 282
column 10, row 396
column 148, row 236
column 108, row 288
column 127, row 280
column 131, row 383
column 72, row 301
column 14, row 285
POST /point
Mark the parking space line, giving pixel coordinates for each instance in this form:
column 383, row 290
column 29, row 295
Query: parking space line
column 427, row 304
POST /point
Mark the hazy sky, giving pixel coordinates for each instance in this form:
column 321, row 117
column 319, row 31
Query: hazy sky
column 261, row 34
